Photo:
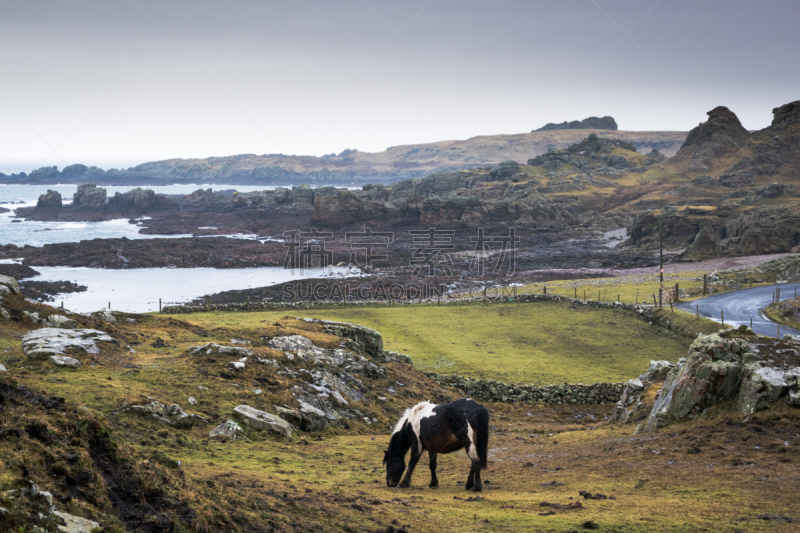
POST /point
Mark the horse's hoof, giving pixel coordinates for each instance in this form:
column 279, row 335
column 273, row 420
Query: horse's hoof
column 468, row 486
column 477, row 488
column 402, row 486
column 433, row 486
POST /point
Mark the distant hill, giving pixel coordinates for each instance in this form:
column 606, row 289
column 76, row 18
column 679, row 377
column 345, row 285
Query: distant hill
column 591, row 123
column 351, row 167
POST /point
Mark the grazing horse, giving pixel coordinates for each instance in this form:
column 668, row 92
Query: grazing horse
column 438, row 429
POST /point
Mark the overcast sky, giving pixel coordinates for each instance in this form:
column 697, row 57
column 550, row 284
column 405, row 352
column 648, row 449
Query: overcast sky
column 122, row 81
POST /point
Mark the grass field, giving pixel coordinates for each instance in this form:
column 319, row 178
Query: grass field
column 538, row 343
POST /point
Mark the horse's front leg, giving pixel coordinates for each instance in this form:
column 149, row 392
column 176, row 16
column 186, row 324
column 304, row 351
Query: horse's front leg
column 415, row 455
column 434, row 479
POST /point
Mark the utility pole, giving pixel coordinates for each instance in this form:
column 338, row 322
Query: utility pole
column 661, row 260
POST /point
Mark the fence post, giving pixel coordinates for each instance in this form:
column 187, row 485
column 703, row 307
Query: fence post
column 722, row 315
column 109, row 305
column 637, row 295
column 598, row 295
column 677, row 292
column 697, row 311
column 584, row 295
column 159, row 305
column 751, row 322
column 705, row 284
column 545, row 290
column 576, row 292
column 655, row 302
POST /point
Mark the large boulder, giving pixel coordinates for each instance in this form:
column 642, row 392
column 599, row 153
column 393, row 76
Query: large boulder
column 710, row 374
column 228, row 430
column 42, row 343
column 261, row 421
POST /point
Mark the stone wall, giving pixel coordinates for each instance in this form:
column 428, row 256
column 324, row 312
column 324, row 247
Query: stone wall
column 489, row 390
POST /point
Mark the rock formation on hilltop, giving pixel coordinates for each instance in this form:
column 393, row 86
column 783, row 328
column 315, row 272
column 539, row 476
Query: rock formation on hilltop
column 722, row 134
column 591, row 123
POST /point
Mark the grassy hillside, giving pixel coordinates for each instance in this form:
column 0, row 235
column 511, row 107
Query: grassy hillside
column 538, row 343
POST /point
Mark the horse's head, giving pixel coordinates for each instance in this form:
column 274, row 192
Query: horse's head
column 394, row 468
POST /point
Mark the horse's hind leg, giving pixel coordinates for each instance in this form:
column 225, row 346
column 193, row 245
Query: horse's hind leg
column 476, row 467
column 471, row 478
column 434, row 479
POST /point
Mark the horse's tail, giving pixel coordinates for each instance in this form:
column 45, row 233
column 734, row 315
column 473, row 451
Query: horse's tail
column 482, row 439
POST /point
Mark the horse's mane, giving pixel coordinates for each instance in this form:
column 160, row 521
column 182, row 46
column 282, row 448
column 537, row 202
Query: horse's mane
column 410, row 416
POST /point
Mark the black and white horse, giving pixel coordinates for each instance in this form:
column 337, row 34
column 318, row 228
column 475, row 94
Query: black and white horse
column 438, row 429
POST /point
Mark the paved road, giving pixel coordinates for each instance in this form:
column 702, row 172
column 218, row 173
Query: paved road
column 742, row 305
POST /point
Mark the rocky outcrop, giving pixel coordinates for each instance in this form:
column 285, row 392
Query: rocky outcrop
column 365, row 339
column 720, row 135
column 717, row 369
column 42, row 343
column 591, row 123
column 301, row 348
column 89, row 196
column 171, row 415
column 49, row 200
column 261, row 421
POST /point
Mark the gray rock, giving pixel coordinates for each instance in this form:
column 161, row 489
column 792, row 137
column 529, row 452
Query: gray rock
column 60, row 321
column 3, row 368
column 214, row 348
column 237, row 365
column 46, row 498
column 657, row 371
column 307, row 418
column 63, row 360
column 262, row 421
column 390, row 356
column 104, row 316
column 227, row 430
column 192, row 401
column 634, row 385
column 10, row 283
column 75, row 524
column 793, row 399
column 760, row 387
column 171, row 415
column 42, row 343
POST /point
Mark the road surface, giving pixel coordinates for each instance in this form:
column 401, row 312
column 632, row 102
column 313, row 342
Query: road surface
column 742, row 305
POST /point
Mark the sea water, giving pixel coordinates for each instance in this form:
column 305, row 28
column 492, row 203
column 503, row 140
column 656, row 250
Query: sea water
column 38, row 233
column 138, row 290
